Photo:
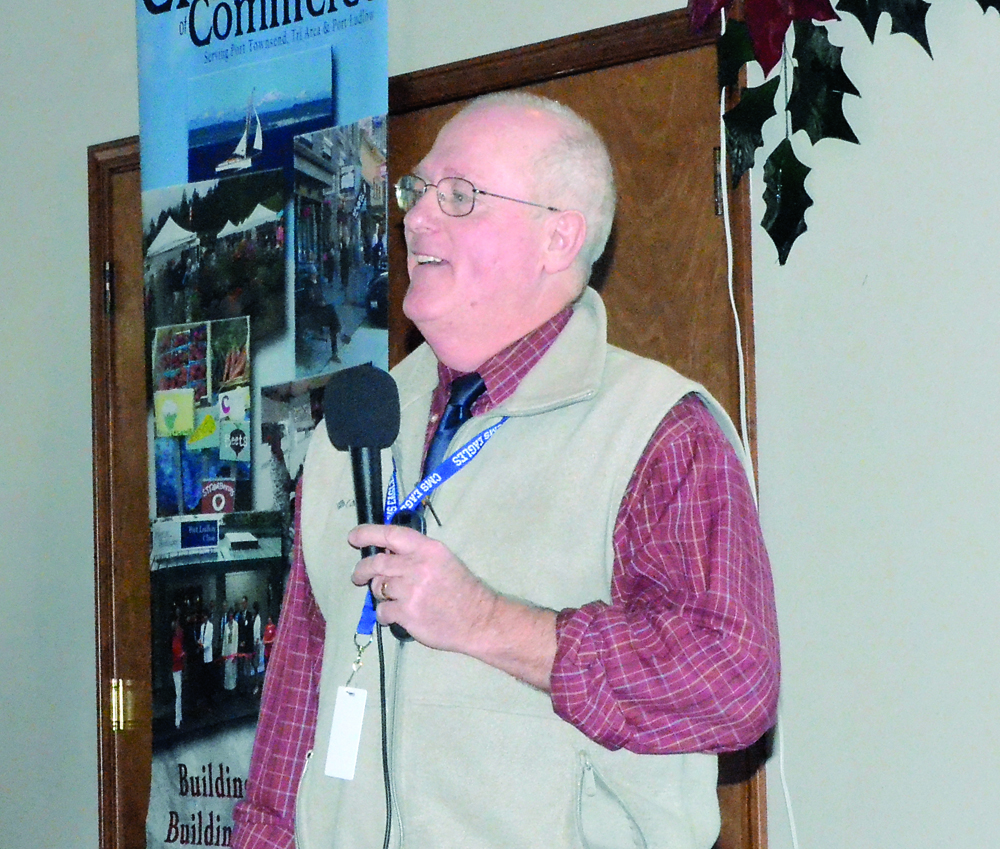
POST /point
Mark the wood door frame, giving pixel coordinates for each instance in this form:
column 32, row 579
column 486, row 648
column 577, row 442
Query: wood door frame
column 123, row 747
column 617, row 44
column 743, row 803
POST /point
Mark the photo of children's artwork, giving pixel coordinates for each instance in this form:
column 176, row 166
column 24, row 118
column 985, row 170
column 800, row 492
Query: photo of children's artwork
column 202, row 417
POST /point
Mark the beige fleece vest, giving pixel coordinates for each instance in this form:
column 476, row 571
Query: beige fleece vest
column 479, row 759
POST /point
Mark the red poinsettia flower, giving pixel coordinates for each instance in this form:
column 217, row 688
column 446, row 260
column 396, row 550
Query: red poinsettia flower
column 767, row 21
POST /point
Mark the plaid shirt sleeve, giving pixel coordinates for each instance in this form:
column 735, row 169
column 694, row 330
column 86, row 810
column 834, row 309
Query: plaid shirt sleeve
column 685, row 657
column 265, row 818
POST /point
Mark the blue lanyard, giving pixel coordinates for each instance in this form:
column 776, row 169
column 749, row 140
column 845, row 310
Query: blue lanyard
column 445, row 470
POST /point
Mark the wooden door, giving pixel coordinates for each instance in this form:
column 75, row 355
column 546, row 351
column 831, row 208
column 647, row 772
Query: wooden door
column 649, row 87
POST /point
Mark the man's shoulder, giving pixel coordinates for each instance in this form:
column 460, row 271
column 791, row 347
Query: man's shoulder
column 658, row 378
column 644, row 375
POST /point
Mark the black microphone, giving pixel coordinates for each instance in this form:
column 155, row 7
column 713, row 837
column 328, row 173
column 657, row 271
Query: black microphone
column 361, row 408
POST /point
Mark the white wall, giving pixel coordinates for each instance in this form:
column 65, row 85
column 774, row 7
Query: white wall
column 878, row 403
column 876, row 398
column 67, row 77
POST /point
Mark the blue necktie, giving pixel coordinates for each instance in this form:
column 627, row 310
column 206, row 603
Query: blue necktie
column 464, row 392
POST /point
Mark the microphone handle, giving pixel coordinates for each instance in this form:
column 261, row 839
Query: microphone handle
column 366, row 466
column 410, row 519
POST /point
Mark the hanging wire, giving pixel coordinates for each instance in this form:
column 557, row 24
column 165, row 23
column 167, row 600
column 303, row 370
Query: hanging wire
column 780, row 744
column 744, row 429
column 785, row 75
column 727, row 229
column 383, row 712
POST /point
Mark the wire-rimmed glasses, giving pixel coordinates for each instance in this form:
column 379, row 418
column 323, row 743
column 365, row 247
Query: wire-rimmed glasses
column 455, row 195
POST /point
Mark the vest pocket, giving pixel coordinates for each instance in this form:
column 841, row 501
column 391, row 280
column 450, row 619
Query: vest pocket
column 602, row 819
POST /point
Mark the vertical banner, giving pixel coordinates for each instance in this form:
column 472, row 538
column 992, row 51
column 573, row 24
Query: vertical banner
column 263, row 148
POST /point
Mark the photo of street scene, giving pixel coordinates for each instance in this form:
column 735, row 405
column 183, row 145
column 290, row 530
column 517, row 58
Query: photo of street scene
column 341, row 269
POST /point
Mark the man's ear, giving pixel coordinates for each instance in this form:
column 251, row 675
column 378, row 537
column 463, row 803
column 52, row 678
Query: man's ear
column 566, row 233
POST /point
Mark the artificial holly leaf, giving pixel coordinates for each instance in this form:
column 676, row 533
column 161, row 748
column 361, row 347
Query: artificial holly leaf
column 815, row 54
column 819, row 85
column 744, row 125
column 734, row 49
column 908, row 16
column 785, row 198
column 768, row 21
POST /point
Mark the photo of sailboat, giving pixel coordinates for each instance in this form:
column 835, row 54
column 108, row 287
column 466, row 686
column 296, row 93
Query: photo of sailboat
column 246, row 124
column 241, row 158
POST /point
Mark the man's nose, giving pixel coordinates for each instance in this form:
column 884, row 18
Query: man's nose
column 422, row 213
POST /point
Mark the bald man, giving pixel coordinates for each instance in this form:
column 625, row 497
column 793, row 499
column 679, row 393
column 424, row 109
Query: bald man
column 591, row 606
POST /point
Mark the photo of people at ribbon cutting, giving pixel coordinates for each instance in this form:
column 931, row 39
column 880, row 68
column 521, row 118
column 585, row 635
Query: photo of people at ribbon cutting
column 213, row 626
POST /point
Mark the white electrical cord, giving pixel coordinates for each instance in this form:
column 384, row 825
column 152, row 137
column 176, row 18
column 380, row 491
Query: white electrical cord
column 780, row 744
column 744, row 427
column 740, row 361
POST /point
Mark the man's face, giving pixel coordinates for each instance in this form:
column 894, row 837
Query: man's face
column 478, row 278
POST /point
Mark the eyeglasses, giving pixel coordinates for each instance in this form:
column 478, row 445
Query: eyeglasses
column 455, row 195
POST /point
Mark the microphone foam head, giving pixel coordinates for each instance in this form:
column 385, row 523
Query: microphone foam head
column 361, row 406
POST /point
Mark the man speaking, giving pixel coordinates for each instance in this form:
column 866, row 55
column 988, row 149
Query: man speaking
column 591, row 607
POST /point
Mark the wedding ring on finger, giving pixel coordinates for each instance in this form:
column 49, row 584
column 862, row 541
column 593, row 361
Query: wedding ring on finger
column 383, row 590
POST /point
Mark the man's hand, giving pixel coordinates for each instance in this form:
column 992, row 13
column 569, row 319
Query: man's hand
column 423, row 586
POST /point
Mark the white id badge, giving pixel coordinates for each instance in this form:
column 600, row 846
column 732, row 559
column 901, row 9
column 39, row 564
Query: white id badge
column 345, row 732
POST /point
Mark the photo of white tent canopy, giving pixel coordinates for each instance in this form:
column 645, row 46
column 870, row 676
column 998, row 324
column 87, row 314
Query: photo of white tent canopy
column 172, row 237
column 261, row 215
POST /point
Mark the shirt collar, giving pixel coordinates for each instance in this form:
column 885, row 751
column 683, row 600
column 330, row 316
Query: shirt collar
column 504, row 371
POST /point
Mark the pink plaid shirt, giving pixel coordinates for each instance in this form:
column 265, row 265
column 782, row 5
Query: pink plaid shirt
column 683, row 659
